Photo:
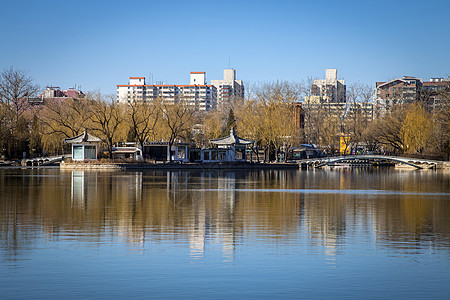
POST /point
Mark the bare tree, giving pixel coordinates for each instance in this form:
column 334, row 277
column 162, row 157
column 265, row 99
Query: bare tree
column 386, row 130
column 176, row 119
column 143, row 118
column 66, row 118
column 15, row 88
column 106, row 120
column 357, row 114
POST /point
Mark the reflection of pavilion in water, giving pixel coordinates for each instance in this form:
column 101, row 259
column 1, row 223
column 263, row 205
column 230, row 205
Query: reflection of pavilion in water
column 84, row 186
column 80, row 186
column 206, row 222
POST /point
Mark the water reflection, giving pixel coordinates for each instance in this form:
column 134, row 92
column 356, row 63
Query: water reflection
column 221, row 211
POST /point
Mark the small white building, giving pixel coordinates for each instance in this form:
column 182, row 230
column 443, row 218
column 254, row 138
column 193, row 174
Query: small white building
column 229, row 149
column 132, row 153
column 159, row 151
column 84, row 146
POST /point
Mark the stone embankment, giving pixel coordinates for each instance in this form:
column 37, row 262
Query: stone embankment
column 175, row 166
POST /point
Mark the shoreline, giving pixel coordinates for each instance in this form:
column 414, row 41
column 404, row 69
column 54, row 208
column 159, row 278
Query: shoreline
column 177, row 166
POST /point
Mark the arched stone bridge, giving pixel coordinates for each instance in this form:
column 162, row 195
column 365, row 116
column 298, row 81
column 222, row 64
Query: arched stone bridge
column 414, row 162
column 43, row 161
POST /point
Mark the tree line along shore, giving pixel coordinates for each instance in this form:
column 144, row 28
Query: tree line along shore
column 267, row 115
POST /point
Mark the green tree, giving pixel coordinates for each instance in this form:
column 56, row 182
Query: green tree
column 231, row 122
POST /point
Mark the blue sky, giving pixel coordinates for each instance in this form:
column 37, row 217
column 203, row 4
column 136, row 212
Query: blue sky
column 98, row 44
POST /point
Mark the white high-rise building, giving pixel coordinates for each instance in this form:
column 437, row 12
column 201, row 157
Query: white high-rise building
column 197, row 93
column 328, row 90
column 228, row 89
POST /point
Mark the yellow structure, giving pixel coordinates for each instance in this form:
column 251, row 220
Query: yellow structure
column 344, row 145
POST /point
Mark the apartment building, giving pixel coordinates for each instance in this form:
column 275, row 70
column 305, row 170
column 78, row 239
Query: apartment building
column 408, row 89
column 197, row 93
column 55, row 93
column 432, row 90
column 328, row 90
column 229, row 89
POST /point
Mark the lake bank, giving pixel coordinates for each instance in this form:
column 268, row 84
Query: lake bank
column 176, row 166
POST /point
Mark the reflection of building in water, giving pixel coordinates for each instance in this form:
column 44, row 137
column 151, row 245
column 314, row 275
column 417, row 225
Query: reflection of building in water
column 83, row 185
column 179, row 194
column 78, row 189
column 129, row 195
column 197, row 228
column 325, row 221
column 226, row 186
column 207, row 215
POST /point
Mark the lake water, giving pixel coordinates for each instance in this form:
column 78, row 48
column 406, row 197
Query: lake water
column 341, row 233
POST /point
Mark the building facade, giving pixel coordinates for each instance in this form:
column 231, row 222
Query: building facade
column 408, row 90
column 55, row 93
column 197, row 93
column 328, row 90
column 229, row 89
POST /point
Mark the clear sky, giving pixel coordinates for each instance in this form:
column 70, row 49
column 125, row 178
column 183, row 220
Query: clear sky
column 99, row 44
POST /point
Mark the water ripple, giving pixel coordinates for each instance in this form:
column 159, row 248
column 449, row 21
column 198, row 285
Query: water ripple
column 319, row 191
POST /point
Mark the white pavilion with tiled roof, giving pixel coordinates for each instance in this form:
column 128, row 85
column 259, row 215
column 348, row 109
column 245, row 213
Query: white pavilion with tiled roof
column 84, row 146
column 230, row 148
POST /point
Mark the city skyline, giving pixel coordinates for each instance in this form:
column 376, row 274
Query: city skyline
column 98, row 45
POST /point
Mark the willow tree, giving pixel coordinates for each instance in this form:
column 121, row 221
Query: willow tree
column 249, row 123
column 416, row 129
column 63, row 119
column 214, row 123
column 387, row 130
column 274, row 108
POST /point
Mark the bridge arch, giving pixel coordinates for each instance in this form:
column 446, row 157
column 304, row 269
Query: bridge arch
column 330, row 160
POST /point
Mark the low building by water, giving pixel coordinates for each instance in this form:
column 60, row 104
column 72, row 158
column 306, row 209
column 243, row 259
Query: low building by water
column 84, row 146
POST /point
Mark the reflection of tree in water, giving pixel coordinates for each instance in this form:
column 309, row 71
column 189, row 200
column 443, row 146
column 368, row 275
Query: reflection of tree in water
column 206, row 207
column 18, row 233
column 15, row 238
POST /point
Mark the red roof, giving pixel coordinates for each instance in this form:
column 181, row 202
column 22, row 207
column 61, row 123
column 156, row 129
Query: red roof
column 198, row 72
column 137, row 77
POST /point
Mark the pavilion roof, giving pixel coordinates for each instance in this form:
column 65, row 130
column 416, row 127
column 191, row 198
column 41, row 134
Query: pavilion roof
column 84, row 137
column 232, row 139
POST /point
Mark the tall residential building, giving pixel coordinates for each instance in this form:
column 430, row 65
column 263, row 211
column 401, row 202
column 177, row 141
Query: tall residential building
column 197, row 93
column 328, row 90
column 228, row 89
column 407, row 90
